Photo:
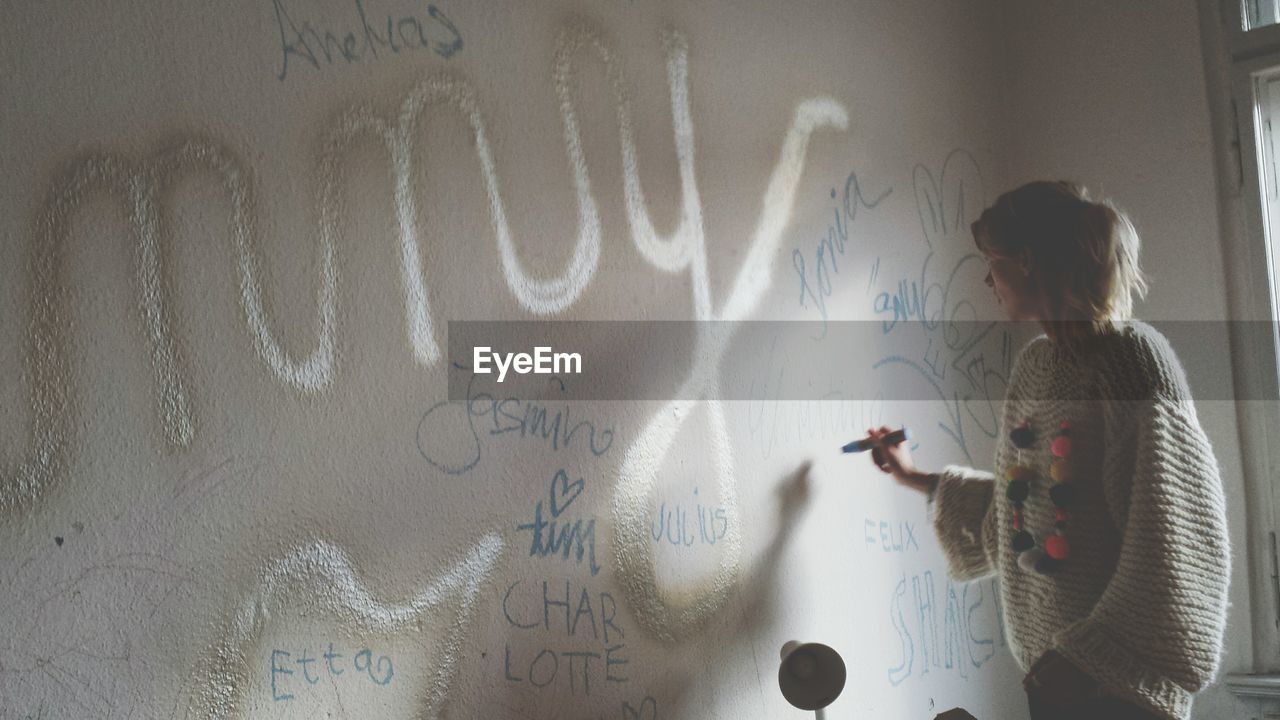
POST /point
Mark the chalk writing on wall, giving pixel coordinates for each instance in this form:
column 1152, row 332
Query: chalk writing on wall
column 140, row 184
column 321, row 576
column 321, row 573
column 668, row 618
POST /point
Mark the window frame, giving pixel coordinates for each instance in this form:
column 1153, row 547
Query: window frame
column 1250, row 295
column 1245, row 44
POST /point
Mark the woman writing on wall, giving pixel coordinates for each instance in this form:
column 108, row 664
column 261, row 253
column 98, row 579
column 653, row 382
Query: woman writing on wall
column 1104, row 518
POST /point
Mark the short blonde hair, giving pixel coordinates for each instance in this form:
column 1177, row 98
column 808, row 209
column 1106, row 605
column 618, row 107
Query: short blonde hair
column 1083, row 253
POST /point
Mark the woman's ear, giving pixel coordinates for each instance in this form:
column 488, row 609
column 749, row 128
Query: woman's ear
column 1024, row 261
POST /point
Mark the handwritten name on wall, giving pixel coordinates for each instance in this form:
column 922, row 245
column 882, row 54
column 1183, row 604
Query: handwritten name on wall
column 550, row 534
column 503, row 417
column 687, row 525
column 303, row 41
column 891, row 536
column 774, row 423
column 816, row 278
column 566, row 640
column 968, row 622
column 320, row 578
column 328, row 665
column 543, row 609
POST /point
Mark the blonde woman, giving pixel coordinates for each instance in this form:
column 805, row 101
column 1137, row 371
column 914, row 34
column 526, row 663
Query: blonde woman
column 1104, row 518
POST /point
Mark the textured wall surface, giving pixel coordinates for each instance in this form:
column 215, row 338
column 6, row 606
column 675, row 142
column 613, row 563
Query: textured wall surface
column 233, row 483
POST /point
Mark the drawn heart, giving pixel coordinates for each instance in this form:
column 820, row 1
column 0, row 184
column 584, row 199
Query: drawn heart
column 630, row 713
column 947, row 204
column 563, row 492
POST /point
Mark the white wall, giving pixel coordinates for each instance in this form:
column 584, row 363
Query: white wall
column 197, row 472
column 1113, row 94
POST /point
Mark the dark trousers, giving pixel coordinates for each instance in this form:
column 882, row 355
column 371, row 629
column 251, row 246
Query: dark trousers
column 1090, row 709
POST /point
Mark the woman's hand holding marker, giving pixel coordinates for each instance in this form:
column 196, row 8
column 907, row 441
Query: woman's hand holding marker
column 893, row 456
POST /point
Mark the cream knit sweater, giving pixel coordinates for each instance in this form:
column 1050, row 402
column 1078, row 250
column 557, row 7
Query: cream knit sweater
column 1140, row 604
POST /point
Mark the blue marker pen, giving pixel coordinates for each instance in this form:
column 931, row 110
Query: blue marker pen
column 868, row 442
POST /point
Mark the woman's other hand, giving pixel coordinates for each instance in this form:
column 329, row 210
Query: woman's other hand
column 896, row 461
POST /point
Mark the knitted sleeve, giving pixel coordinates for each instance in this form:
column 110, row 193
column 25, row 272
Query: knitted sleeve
column 1155, row 634
column 964, row 521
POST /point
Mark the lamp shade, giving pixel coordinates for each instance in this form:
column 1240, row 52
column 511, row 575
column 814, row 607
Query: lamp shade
column 812, row 675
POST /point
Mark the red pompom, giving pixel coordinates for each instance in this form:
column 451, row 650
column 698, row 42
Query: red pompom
column 1057, row 547
column 1061, row 446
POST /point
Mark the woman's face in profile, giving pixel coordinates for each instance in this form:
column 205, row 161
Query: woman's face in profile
column 1012, row 284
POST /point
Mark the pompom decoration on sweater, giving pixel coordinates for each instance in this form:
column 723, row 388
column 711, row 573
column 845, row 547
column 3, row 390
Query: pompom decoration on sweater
column 1022, row 436
column 1056, row 548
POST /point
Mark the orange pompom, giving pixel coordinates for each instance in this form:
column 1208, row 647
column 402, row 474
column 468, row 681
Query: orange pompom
column 1020, row 472
column 1060, row 470
column 1057, row 547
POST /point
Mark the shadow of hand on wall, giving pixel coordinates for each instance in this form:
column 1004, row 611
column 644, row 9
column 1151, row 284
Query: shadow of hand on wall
column 743, row 629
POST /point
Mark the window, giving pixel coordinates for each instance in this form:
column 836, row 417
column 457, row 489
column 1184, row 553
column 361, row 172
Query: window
column 1242, row 59
column 1266, row 105
column 1257, row 13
